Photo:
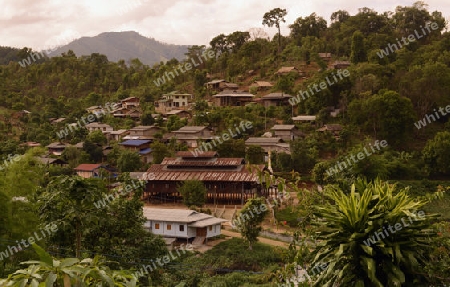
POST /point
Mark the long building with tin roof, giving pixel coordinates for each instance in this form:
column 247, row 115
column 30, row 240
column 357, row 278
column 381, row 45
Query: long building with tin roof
column 228, row 180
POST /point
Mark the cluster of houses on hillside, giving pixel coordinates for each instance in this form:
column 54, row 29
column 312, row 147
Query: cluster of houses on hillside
column 227, row 180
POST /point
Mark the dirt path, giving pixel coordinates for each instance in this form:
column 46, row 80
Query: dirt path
column 260, row 239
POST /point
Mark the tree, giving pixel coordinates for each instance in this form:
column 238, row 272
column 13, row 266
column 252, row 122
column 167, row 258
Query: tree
column 350, row 245
column 386, row 115
column 236, row 39
column 255, row 154
column 273, row 18
column 49, row 271
column 5, row 207
column 312, row 25
column 94, row 151
column 304, row 155
column 436, row 153
column 219, row 44
column 231, row 148
column 147, row 119
column 97, row 137
column 358, row 54
column 129, row 161
column 193, row 192
column 160, row 151
column 250, row 219
column 68, row 202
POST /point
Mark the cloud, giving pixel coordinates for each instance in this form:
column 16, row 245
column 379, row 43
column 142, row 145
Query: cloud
column 38, row 23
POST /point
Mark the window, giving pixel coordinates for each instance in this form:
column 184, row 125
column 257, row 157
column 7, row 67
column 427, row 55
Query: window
column 156, row 225
column 169, row 227
column 167, row 185
column 210, row 228
column 181, row 228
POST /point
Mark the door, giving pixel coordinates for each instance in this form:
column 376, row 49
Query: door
column 201, row 232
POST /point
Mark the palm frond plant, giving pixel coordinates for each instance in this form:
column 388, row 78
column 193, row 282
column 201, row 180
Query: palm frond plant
column 376, row 235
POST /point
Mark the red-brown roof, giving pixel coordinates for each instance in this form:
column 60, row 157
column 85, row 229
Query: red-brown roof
column 216, row 162
column 190, row 154
column 158, row 172
column 88, row 166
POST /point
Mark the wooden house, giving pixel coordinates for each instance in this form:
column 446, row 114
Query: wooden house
column 143, row 132
column 130, row 102
column 269, row 144
column 191, row 135
column 341, row 64
column 227, row 180
column 261, row 85
column 87, row 170
column 221, row 85
column 99, row 127
column 172, row 101
column 182, row 223
column 232, row 98
column 287, row 132
column 287, row 70
column 275, row 99
column 325, row 56
column 136, row 145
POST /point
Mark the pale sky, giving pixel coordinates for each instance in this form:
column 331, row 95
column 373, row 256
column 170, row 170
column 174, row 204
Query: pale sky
column 41, row 24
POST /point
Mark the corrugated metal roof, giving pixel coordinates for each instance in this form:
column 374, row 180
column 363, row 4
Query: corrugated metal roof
column 283, row 127
column 261, row 140
column 262, row 84
column 135, row 142
column 134, row 99
column 174, row 215
column 215, row 82
column 158, row 172
column 304, row 118
column 189, row 154
column 276, row 96
column 92, row 125
column 144, row 128
column 234, row 95
column 286, row 69
column 207, row 222
column 190, row 129
column 215, row 161
column 145, row 151
column 88, row 167
column 118, row 132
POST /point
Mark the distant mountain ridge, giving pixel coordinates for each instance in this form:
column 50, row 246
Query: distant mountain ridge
column 124, row 46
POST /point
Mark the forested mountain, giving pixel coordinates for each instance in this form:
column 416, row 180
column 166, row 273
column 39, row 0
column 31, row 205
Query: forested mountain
column 124, row 46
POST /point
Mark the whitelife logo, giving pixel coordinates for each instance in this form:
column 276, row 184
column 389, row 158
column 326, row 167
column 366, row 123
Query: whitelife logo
column 341, row 74
column 243, row 126
column 360, row 155
column 406, row 41
column 423, row 122
column 207, row 54
column 371, row 240
column 50, row 228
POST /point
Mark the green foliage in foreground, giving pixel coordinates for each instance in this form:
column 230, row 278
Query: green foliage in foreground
column 231, row 262
column 393, row 260
column 67, row 272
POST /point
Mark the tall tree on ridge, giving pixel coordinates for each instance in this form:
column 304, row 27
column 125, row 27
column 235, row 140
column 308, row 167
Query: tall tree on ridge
column 274, row 17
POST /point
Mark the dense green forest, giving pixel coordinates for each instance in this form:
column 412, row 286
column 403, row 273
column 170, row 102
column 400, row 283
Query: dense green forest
column 396, row 94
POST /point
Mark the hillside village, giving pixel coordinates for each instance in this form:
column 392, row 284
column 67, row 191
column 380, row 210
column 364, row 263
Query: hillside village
column 277, row 161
